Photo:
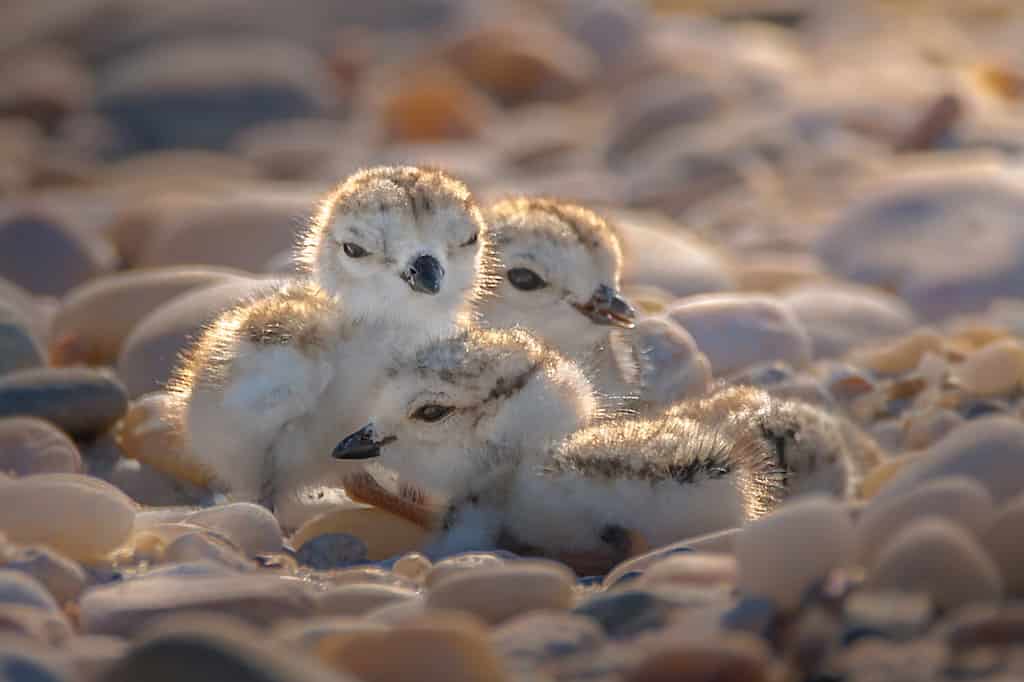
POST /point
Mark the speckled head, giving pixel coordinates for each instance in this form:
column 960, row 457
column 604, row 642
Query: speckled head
column 401, row 242
column 560, row 272
column 453, row 405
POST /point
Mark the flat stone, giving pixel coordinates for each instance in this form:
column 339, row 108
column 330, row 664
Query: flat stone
column 96, row 317
column 989, row 450
column 899, row 235
column 357, row 600
column 1002, row 540
column 46, row 256
column 672, row 260
column 957, row 499
column 697, row 569
column 334, row 550
column 253, row 528
column 451, row 647
column 19, row 349
column 151, row 351
column 782, row 555
column 396, row 612
column 740, row 330
column 18, row 588
column 84, row 517
column 310, row 631
column 497, row 594
column 839, row 319
column 153, row 96
column 122, row 608
column 995, row 369
column 895, row 615
column 939, row 559
column 62, row 577
column 212, row 647
column 204, row 546
column 537, row 638
column 83, row 402
column 731, row 659
column 467, row 561
column 626, row 613
column 33, row 446
column 717, row 542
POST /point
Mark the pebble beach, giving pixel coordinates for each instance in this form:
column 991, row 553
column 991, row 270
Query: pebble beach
column 824, row 200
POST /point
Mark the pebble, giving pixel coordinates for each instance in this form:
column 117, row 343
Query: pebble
column 459, row 563
column 727, row 659
column 413, row 566
column 451, row 647
column 893, row 615
column 199, row 546
column 384, row 534
column 213, row 647
column 33, row 446
column 1002, row 540
column 697, row 569
column 43, row 254
column 939, row 559
column 96, row 317
column 839, row 319
column 988, row 450
column 919, row 430
column 357, row 600
column 626, row 613
column 91, row 655
column 396, row 612
column 898, row 237
column 672, row 368
column 957, row 499
column 499, row 593
column 149, row 354
column 19, row 349
column 736, row 331
column 432, row 102
column 310, row 631
column 146, row 485
column 79, row 516
column 122, row 608
column 721, row 542
column 899, row 355
column 22, row 660
column 782, row 555
column 533, row 639
column 253, row 528
column 153, row 96
column 333, row 550
column 62, row 577
column 993, row 370
column 673, row 261
column 18, row 588
column 985, row 626
column 83, row 402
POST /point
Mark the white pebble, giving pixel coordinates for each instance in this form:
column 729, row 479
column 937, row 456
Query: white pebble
column 497, row 594
column 993, row 370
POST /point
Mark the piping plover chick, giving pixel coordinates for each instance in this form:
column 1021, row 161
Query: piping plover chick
column 396, row 256
column 819, row 451
column 561, row 265
column 502, row 442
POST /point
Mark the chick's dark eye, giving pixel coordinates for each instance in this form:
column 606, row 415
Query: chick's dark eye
column 525, row 279
column 432, row 413
column 472, row 240
column 353, row 250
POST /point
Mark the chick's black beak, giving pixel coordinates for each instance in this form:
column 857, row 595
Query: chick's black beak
column 606, row 306
column 363, row 444
column 424, row 275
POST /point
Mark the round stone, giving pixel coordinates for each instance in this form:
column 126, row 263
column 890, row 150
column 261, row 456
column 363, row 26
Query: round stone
column 151, row 351
column 64, row 578
column 995, row 369
column 898, row 355
column 497, row 594
column 357, row 600
column 17, row 588
column 19, row 349
column 839, row 319
column 33, row 446
column 252, row 527
column 1002, row 540
column 989, row 450
column 333, row 550
column 85, row 517
column 698, row 569
column 96, row 317
column 957, row 499
column 413, row 566
column 84, row 402
column 729, row 659
column 537, row 638
column 940, row 559
column 467, row 561
column 782, row 555
column 740, row 330
column 626, row 613
column 385, row 534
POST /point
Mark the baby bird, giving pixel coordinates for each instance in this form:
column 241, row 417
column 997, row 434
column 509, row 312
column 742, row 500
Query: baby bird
column 561, row 267
column 818, row 451
column 396, row 256
column 512, row 438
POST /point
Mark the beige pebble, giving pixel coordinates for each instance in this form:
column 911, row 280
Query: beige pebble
column 81, row 517
column 451, row 647
column 733, row 658
column 203, row 545
column 413, row 566
column 1003, row 541
column 384, row 533
column 356, row 600
column 940, row 559
column 783, row 554
column 884, row 472
column 252, row 527
column 91, row 655
column 309, row 632
column 922, row 429
column 957, row 499
column 29, row 445
column 30, row 623
column 497, row 594
column 459, row 563
column 900, row 355
column 396, row 612
column 697, row 569
column 64, row 578
column 993, row 370
column 718, row 542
